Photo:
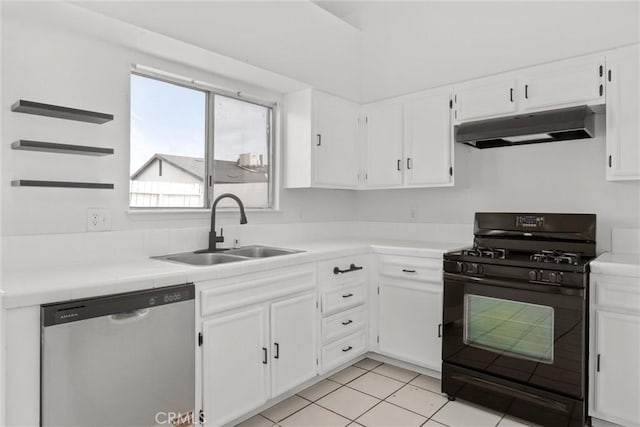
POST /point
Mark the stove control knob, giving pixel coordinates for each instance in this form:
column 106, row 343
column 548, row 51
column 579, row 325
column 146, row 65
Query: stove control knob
column 534, row 275
column 461, row 267
column 480, row 269
column 555, row 277
column 473, row 268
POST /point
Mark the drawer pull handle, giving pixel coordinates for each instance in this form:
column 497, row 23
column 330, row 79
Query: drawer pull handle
column 277, row 355
column 348, row 322
column 264, row 354
column 440, row 330
column 347, row 349
column 349, row 295
column 352, row 267
column 406, row 270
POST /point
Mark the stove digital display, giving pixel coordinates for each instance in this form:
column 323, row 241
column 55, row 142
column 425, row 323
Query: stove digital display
column 529, row 221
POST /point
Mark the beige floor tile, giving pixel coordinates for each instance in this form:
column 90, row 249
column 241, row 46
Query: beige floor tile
column 285, row 408
column 319, row 390
column 348, row 402
column 387, row 415
column 367, row 364
column 347, row 375
column 418, row 400
column 395, row 372
column 432, row 423
column 314, row 416
column 460, row 414
column 257, row 421
column 376, row 385
column 427, row 383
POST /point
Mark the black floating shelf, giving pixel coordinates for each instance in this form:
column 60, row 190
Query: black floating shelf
column 54, row 147
column 60, row 184
column 40, row 109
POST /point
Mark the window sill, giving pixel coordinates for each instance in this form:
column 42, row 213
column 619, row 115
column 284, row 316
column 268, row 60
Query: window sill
column 155, row 212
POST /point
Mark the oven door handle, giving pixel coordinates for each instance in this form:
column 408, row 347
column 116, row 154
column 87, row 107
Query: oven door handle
column 547, row 289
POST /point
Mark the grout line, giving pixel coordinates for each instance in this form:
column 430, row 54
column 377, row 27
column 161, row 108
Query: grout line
column 410, row 410
column 367, row 411
column 294, row 412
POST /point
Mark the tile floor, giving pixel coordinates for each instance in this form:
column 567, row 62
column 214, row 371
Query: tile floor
column 376, row 394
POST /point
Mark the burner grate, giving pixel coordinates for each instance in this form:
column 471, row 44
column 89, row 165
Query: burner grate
column 557, row 257
column 481, row 252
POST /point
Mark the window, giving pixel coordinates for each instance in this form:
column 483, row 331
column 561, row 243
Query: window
column 189, row 145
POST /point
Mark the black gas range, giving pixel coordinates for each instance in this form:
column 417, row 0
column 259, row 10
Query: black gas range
column 515, row 316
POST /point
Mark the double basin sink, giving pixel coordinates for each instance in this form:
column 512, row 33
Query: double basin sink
column 203, row 258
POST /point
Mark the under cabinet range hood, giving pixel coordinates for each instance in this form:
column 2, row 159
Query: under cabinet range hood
column 544, row 126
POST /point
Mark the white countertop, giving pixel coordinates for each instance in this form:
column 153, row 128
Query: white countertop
column 34, row 287
column 616, row 264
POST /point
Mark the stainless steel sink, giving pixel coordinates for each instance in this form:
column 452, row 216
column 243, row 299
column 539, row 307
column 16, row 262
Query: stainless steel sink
column 206, row 258
column 233, row 255
column 257, row 251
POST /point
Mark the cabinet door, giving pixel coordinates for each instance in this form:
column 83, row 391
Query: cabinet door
column 293, row 342
column 617, row 391
column 485, row 99
column 336, row 150
column 563, row 84
column 623, row 110
column 235, row 376
column 384, row 124
column 410, row 316
column 429, row 144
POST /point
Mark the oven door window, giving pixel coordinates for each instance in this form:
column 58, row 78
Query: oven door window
column 509, row 327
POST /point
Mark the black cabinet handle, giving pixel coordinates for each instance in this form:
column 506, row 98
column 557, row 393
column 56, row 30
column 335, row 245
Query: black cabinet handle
column 405, row 270
column 601, row 70
column 408, row 162
column 609, row 161
column 511, row 94
column 264, row 355
column 601, row 90
column 277, row 355
column 319, row 141
column 609, row 72
column 398, row 165
column 526, row 91
column 349, row 295
column 440, row 330
column 348, row 322
column 598, row 363
column 352, row 267
column 347, row 349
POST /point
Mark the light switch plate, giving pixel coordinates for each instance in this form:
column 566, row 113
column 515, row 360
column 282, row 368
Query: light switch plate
column 98, row 219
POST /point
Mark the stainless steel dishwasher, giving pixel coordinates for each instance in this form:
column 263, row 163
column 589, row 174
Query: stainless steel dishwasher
column 120, row 360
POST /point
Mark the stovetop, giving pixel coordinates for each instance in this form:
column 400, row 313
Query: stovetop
column 537, row 259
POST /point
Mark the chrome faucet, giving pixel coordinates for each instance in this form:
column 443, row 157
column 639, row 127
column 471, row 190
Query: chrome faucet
column 213, row 238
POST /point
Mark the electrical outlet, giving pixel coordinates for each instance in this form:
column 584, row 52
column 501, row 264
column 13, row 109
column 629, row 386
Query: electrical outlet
column 98, row 219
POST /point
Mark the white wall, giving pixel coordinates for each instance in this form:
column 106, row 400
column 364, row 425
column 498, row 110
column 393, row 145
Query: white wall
column 566, row 176
column 59, row 66
column 409, row 46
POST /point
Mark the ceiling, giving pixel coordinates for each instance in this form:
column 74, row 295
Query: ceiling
column 369, row 50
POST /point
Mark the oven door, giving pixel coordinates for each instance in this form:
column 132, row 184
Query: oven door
column 531, row 334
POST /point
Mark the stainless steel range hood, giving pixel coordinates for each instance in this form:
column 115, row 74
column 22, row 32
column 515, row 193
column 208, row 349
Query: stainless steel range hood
column 545, row 126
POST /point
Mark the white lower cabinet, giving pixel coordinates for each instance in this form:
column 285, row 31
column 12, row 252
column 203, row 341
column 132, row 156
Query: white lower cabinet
column 615, row 349
column 259, row 340
column 343, row 289
column 235, row 375
column 410, row 310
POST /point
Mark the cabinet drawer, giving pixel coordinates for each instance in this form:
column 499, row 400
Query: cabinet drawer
column 342, row 270
column 343, row 350
column 411, row 268
column 617, row 292
column 343, row 323
column 340, row 298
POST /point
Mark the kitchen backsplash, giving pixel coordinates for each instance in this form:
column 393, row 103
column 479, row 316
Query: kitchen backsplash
column 56, row 250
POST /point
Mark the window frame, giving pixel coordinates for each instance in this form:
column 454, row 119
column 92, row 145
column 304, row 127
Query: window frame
column 210, row 92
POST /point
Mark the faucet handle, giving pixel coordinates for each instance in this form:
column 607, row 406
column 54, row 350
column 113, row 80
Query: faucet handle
column 220, row 238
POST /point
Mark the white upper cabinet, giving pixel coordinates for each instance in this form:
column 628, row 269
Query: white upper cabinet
column 623, row 112
column 485, row 98
column 321, row 141
column 562, row 84
column 429, row 140
column 384, row 135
